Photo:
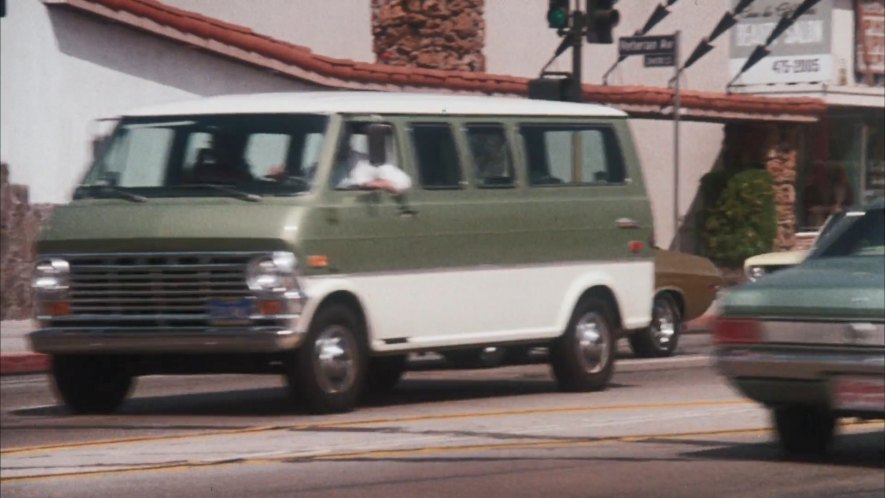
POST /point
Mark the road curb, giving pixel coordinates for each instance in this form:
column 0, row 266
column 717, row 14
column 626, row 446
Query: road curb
column 23, row 363
column 688, row 361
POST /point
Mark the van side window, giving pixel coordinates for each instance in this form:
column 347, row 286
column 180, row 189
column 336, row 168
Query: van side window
column 571, row 155
column 437, row 156
column 492, row 161
column 352, row 149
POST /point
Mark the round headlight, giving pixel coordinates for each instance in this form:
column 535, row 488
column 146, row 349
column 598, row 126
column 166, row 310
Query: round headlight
column 756, row 272
column 51, row 275
column 271, row 273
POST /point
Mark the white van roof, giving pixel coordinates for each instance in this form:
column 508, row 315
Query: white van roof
column 375, row 103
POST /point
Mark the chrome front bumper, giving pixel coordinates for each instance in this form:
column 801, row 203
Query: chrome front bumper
column 158, row 340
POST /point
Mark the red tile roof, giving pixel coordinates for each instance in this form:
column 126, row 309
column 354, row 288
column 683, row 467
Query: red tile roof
column 298, row 61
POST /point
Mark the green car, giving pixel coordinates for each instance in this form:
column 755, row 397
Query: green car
column 809, row 342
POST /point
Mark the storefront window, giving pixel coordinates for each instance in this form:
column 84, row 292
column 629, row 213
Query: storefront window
column 874, row 161
column 832, row 176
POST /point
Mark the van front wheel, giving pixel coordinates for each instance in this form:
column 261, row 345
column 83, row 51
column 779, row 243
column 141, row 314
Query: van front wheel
column 583, row 358
column 328, row 371
column 91, row 383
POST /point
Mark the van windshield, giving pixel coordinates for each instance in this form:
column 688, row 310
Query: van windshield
column 246, row 156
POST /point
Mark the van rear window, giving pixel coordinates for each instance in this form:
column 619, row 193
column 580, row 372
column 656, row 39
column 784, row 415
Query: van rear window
column 572, row 155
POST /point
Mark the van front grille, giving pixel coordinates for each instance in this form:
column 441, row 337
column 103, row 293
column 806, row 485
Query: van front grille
column 157, row 289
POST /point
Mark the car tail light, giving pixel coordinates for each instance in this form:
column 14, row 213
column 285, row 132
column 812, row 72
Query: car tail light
column 736, row 331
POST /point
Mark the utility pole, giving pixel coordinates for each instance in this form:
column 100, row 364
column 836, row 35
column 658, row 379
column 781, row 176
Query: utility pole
column 576, row 90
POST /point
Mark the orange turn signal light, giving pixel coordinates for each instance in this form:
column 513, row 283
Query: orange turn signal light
column 269, row 307
column 57, row 308
column 318, row 261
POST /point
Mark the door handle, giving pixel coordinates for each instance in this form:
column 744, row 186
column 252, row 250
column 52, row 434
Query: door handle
column 627, row 223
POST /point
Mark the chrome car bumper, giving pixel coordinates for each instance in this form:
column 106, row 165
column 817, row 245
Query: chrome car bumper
column 781, row 375
column 245, row 339
column 798, row 363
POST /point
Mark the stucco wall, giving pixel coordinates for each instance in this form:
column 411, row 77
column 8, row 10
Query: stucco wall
column 62, row 70
column 334, row 28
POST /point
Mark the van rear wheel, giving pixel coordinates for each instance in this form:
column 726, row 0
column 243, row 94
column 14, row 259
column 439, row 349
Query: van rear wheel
column 583, row 358
column 91, row 383
column 328, row 372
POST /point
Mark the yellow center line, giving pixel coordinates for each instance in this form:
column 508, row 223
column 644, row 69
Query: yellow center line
column 406, row 452
column 357, row 423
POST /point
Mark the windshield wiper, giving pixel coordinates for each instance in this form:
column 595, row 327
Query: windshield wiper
column 239, row 194
column 119, row 192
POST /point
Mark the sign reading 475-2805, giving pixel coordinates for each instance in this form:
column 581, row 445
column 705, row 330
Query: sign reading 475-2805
column 800, row 55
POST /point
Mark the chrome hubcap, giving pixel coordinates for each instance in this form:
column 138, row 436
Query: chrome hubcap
column 663, row 325
column 334, row 359
column 593, row 342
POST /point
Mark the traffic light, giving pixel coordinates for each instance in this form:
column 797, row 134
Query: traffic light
column 557, row 14
column 601, row 19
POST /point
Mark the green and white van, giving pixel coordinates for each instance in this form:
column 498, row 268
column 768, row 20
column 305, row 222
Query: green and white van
column 527, row 222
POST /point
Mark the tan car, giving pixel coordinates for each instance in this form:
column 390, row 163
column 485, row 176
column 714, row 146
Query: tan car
column 685, row 287
column 760, row 265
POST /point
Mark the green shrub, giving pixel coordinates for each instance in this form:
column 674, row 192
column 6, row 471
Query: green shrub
column 739, row 218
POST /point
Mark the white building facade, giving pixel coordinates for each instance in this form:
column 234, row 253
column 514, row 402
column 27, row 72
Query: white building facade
column 68, row 63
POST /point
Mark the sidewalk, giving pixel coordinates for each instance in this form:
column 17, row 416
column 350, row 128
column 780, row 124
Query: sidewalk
column 15, row 351
column 16, row 356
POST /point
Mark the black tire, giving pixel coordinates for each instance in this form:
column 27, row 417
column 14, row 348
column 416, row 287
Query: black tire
column 583, row 357
column 662, row 336
column 385, row 373
column 488, row 357
column 804, row 430
column 91, row 383
column 328, row 372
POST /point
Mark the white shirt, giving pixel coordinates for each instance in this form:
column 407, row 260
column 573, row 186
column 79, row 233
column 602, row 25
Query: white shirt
column 363, row 172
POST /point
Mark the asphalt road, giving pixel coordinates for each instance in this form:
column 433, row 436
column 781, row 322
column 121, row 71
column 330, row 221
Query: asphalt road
column 674, row 431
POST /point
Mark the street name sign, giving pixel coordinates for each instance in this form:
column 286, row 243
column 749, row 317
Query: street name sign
column 646, row 45
column 658, row 51
column 659, row 60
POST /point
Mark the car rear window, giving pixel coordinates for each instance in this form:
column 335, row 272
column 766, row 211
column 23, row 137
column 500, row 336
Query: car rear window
column 865, row 237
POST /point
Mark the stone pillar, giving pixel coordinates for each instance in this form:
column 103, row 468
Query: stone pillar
column 781, row 159
column 20, row 223
column 775, row 147
column 434, row 34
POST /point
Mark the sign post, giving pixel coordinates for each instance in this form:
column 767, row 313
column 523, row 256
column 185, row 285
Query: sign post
column 677, row 102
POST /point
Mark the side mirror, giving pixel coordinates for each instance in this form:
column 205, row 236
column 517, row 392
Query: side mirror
column 377, row 134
